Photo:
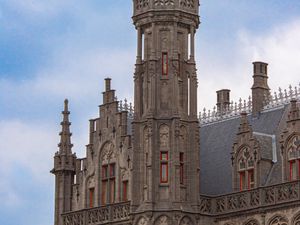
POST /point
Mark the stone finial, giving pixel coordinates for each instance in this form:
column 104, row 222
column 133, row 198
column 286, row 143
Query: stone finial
column 65, row 145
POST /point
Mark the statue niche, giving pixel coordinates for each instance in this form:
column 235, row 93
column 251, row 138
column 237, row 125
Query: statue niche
column 164, row 137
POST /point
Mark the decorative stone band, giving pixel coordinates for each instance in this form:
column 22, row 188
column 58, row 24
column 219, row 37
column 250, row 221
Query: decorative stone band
column 272, row 102
column 101, row 215
column 257, row 199
column 283, row 195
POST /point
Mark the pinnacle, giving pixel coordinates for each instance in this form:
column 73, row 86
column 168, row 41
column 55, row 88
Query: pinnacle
column 65, row 145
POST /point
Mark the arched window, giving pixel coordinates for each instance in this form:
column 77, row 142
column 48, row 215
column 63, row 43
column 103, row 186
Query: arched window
column 293, row 156
column 108, row 174
column 278, row 220
column 246, row 169
column 164, row 153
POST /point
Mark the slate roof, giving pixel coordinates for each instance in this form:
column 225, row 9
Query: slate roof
column 216, row 141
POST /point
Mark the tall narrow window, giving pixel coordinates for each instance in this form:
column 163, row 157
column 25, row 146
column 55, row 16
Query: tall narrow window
column 164, row 167
column 104, row 184
column 125, row 191
column 108, row 183
column 164, row 63
column 91, row 197
column 189, row 96
column 179, row 63
column 294, row 158
column 250, row 179
column 242, row 180
column 112, row 183
column 293, row 170
column 181, row 159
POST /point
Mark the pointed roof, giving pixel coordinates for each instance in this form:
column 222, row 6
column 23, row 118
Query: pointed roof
column 65, row 145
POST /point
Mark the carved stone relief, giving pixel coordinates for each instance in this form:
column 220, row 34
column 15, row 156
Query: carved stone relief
column 163, row 220
column 252, row 222
column 108, row 153
column 186, row 221
column 163, row 2
column 187, row 3
column 141, row 4
column 279, row 220
column 164, row 136
column 297, row 220
column 142, row 221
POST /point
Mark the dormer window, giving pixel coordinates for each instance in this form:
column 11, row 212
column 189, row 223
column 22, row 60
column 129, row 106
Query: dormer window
column 294, row 158
column 246, row 170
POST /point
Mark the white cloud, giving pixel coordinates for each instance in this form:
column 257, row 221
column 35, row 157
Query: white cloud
column 27, row 145
column 279, row 46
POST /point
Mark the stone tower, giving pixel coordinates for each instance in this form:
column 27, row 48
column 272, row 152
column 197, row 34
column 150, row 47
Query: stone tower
column 64, row 169
column 165, row 127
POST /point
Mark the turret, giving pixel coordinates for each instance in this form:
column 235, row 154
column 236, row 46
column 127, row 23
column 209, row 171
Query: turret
column 165, row 126
column 64, row 169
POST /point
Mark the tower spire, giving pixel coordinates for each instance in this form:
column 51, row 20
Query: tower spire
column 65, row 145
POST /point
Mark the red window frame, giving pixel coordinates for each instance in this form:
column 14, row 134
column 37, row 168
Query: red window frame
column 242, row 175
column 112, row 170
column 292, row 162
column 250, row 173
column 105, row 172
column 91, row 197
column 104, row 192
column 181, row 160
column 165, row 64
column 164, row 167
column 112, row 191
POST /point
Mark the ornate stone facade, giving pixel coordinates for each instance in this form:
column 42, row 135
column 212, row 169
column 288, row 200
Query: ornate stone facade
column 155, row 165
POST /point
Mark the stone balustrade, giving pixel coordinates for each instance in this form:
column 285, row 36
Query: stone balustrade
column 284, row 194
column 113, row 213
column 260, row 198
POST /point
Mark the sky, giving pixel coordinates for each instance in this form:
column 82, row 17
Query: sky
column 52, row 50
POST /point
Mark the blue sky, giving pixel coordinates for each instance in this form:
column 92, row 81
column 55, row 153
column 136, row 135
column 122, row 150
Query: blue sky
column 51, row 50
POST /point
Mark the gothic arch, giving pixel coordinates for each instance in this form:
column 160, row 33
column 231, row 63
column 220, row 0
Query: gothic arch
column 229, row 224
column 108, row 173
column 163, row 220
column 291, row 157
column 186, row 221
column 142, row 221
column 107, row 152
column 296, row 219
column 278, row 220
column 251, row 222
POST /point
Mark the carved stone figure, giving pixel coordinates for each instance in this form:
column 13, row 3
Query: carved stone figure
column 164, row 136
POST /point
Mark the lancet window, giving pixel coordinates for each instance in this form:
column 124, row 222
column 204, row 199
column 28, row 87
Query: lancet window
column 108, row 175
column 293, row 156
column 246, row 169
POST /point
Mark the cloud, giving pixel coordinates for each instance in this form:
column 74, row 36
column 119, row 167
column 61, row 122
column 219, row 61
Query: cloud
column 37, row 6
column 278, row 46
